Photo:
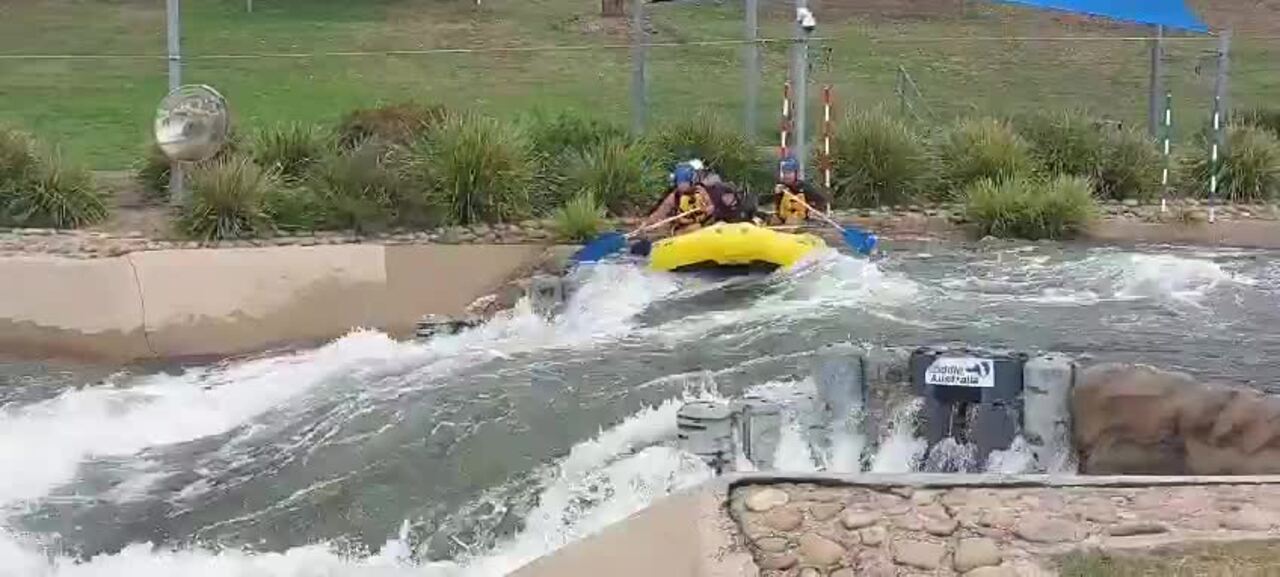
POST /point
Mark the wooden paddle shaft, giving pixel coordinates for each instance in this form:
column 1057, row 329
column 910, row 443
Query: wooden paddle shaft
column 662, row 222
column 820, row 214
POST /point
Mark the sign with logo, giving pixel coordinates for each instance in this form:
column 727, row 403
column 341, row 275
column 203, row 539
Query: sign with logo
column 961, row 372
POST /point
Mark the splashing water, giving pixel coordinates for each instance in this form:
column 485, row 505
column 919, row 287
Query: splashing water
column 590, row 481
column 901, row 449
column 600, row 482
column 793, row 454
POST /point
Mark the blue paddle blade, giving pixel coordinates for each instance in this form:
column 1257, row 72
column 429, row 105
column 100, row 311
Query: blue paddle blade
column 860, row 241
column 602, row 246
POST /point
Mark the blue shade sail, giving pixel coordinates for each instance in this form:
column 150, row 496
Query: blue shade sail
column 1168, row 13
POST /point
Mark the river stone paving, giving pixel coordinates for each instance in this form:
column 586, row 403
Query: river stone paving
column 905, row 219
column 807, row 530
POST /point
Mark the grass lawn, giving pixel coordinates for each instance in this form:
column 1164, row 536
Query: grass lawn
column 1260, row 559
column 100, row 110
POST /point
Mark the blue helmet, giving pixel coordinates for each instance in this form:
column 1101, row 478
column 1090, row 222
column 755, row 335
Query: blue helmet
column 789, row 164
column 685, row 174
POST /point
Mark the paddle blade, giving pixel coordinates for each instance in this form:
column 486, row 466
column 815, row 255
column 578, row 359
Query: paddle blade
column 859, row 241
column 600, row 247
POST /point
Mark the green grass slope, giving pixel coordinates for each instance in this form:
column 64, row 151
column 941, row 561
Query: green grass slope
column 299, row 60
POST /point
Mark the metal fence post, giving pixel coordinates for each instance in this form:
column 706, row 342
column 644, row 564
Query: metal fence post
column 177, row 196
column 1156, row 89
column 800, row 64
column 1222, row 83
column 639, row 76
column 752, row 68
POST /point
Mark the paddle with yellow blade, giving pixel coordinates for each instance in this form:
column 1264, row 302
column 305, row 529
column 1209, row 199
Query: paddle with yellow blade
column 860, row 241
column 611, row 242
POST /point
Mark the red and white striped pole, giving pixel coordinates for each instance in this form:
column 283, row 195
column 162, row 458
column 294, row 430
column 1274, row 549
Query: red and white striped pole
column 826, row 136
column 783, row 149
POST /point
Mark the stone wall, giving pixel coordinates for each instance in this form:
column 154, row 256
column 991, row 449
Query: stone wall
column 1141, row 420
column 1120, row 222
column 180, row 303
column 873, row 525
column 807, row 530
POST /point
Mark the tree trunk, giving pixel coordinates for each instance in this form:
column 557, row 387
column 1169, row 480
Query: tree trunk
column 612, row 8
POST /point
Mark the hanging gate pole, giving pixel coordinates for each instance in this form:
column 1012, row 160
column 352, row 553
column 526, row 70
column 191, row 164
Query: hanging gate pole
column 1168, row 136
column 826, row 136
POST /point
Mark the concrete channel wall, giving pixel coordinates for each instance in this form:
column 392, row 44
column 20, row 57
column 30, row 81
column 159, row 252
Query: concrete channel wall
column 217, row 302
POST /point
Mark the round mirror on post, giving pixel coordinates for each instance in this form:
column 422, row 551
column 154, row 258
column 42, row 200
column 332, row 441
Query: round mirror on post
column 192, row 124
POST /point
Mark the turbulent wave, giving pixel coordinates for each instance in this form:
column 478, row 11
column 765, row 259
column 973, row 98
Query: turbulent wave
column 45, row 444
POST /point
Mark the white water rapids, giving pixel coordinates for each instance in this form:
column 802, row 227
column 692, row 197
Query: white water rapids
column 302, row 404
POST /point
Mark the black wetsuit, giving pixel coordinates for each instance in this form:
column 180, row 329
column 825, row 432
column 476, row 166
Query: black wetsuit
column 742, row 211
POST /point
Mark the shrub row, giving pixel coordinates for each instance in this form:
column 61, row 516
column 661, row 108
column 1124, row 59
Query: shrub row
column 410, row 165
column 882, row 160
column 1031, row 207
column 1023, row 177
column 40, row 188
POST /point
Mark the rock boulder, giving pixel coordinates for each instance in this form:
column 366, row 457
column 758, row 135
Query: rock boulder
column 1136, row 419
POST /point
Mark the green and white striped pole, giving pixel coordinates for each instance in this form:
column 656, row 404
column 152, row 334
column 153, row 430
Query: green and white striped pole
column 1214, row 155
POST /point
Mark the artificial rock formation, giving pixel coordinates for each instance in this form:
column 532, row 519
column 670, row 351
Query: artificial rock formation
column 1140, row 420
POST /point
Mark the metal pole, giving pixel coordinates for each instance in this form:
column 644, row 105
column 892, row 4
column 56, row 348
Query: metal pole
column 177, row 195
column 1222, row 83
column 800, row 74
column 752, row 67
column 639, row 80
column 901, row 89
column 1155, row 90
column 248, row 6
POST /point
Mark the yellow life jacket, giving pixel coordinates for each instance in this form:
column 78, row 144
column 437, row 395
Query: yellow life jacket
column 791, row 207
column 687, row 201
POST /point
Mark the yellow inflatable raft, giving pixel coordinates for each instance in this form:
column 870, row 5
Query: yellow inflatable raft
column 736, row 245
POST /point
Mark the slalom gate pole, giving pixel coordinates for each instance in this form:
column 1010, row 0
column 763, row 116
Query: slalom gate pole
column 1214, row 154
column 783, row 149
column 826, row 136
column 1167, row 136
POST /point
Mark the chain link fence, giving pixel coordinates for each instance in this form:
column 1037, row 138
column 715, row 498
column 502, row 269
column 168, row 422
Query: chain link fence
column 87, row 74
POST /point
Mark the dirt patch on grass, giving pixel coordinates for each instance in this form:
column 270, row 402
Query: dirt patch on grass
column 131, row 209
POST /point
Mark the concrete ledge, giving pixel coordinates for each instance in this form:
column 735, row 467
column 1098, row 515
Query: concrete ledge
column 1236, row 233
column 40, row 297
column 202, row 302
column 685, row 535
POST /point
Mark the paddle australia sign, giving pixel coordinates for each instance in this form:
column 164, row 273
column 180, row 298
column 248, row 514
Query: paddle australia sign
column 961, row 372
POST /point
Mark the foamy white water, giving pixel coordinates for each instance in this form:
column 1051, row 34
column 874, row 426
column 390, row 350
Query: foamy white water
column 815, row 288
column 794, row 453
column 42, row 445
column 600, row 480
column 1168, row 276
column 901, row 449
